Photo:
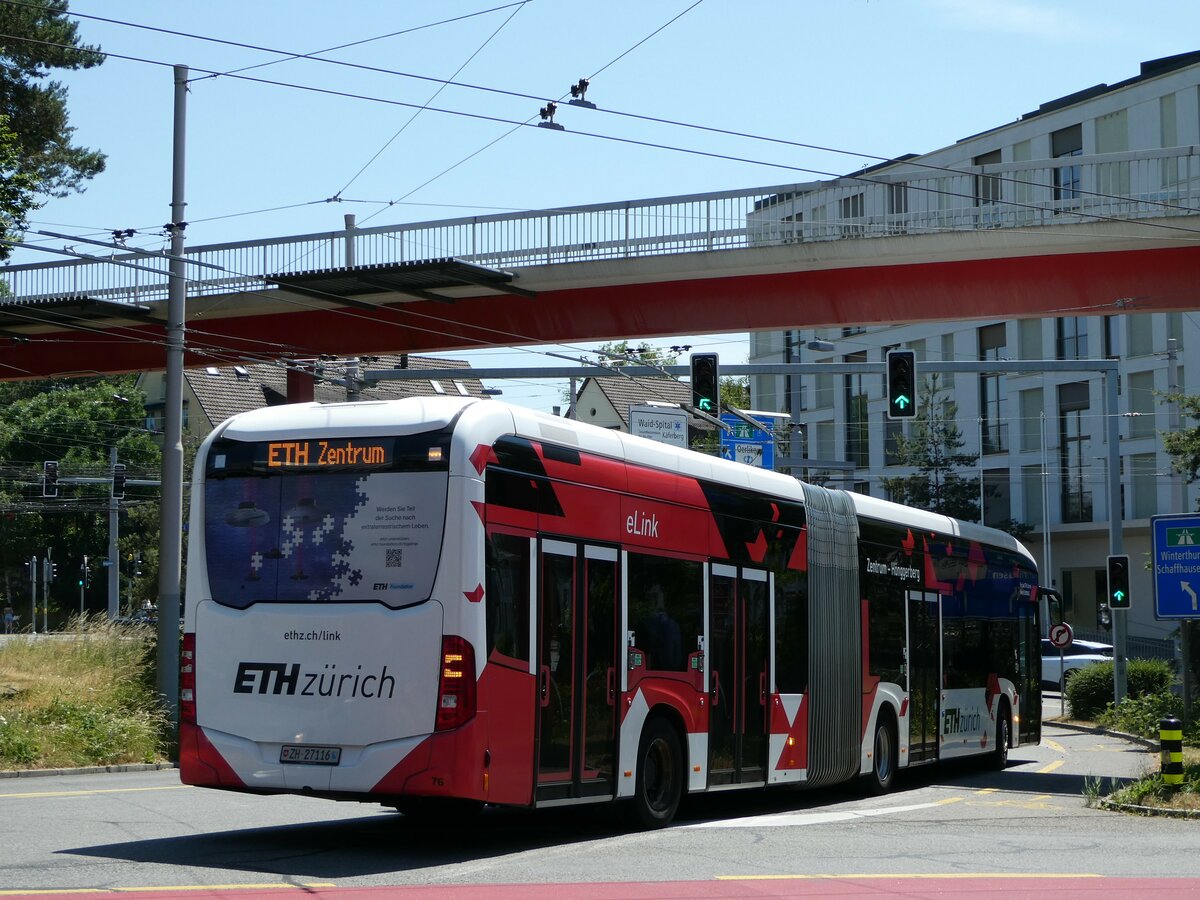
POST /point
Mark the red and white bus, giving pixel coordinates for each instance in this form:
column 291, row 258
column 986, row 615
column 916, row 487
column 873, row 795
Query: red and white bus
column 439, row 602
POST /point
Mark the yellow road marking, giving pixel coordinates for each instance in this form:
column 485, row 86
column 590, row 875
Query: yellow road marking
column 941, row 875
column 167, row 787
column 988, row 791
column 1046, row 770
column 219, row 887
column 948, row 800
column 1054, row 745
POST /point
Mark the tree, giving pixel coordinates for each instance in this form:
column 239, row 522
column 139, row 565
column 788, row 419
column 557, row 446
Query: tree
column 1183, row 446
column 35, row 38
column 18, row 188
column 74, row 423
column 934, row 450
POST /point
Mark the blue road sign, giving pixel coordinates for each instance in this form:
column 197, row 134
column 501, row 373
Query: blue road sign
column 752, row 446
column 1175, row 548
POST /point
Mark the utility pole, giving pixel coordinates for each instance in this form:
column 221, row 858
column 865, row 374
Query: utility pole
column 33, row 572
column 1180, row 501
column 114, row 554
column 171, row 520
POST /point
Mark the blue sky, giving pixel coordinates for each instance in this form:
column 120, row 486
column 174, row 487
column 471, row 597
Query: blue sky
column 876, row 78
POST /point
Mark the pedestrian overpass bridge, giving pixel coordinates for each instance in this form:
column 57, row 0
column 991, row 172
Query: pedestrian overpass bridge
column 983, row 242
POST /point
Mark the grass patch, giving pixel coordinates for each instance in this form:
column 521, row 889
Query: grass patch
column 1150, row 790
column 85, row 697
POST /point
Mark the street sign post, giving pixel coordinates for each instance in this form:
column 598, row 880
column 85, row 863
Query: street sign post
column 1175, row 549
column 660, row 423
column 751, row 446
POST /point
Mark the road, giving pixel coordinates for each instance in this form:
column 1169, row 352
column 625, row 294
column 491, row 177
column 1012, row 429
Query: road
column 139, row 831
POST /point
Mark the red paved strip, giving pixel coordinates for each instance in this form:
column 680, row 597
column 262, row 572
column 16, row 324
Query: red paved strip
column 915, row 887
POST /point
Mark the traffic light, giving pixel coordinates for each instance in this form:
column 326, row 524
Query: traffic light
column 118, row 484
column 137, row 565
column 51, row 572
column 902, row 384
column 85, row 574
column 1118, row 582
column 706, row 383
column 50, row 478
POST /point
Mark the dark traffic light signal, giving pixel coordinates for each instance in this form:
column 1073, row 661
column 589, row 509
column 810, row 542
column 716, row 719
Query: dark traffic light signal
column 902, row 384
column 50, row 478
column 706, row 383
column 118, row 480
column 1118, row 582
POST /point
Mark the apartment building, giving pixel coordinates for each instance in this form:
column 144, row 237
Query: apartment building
column 1108, row 153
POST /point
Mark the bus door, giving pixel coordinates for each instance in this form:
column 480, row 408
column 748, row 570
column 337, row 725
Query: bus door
column 924, row 656
column 576, row 652
column 738, row 638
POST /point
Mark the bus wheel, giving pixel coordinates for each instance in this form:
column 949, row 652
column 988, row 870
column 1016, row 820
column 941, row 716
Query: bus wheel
column 1000, row 753
column 659, row 775
column 884, row 756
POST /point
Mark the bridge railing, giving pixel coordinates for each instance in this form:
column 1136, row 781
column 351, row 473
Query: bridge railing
column 907, row 198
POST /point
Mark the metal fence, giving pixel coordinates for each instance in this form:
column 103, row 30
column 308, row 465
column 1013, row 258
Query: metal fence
column 910, row 198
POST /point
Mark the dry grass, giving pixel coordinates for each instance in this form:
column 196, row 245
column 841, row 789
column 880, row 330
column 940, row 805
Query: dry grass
column 80, row 699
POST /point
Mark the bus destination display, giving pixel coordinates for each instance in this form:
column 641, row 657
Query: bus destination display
column 327, row 453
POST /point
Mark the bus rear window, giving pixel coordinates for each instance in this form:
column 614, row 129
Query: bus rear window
column 326, row 536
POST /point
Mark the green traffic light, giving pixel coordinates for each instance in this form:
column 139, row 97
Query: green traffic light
column 902, row 401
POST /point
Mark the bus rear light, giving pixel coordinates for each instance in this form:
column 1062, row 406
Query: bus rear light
column 187, row 679
column 456, row 687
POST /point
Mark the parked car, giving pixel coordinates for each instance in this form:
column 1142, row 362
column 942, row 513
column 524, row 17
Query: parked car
column 1075, row 657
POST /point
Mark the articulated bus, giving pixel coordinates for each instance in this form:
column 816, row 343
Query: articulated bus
column 439, row 603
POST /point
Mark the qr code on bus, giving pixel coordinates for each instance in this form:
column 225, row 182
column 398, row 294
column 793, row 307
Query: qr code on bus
column 394, row 558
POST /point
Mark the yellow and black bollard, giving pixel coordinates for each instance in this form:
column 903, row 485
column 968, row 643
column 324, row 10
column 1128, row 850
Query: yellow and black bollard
column 1170, row 737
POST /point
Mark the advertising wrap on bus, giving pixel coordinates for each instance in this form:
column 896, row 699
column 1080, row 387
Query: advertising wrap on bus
column 321, row 533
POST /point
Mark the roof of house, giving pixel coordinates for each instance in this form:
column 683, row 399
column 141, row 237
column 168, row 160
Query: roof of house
column 223, row 391
column 624, row 392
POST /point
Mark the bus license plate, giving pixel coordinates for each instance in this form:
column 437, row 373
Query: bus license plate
column 310, row 756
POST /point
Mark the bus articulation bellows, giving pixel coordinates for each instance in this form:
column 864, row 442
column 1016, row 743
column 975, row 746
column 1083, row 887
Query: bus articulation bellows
column 431, row 602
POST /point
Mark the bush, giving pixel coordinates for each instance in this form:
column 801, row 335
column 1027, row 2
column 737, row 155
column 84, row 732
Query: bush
column 1090, row 690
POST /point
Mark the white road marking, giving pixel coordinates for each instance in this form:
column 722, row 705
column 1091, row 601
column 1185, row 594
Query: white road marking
column 779, row 820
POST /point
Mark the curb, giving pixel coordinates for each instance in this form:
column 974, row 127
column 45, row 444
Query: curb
column 88, row 770
column 1105, row 803
column 1148, row 743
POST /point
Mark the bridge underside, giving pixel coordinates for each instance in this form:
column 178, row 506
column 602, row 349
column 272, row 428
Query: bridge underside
column 873, row 281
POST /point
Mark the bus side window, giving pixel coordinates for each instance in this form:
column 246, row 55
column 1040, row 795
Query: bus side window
column 666, row 609
column 506, row 596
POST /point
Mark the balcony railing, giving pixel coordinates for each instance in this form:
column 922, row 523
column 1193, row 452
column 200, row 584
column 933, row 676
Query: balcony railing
column 902, row 200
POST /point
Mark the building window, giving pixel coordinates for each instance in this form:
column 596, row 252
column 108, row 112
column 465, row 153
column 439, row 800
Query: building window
column 948, row 356
column 987, row 187
column 858, row 444
column 893, row 430
column 1032, row 404
column 1110, row 338
column 1143, row 467
column 1066, row 143
column 992, row 428
column 822, row 391
column 1141, row 334
column 997, row 500
column 1070, row 341
column 1074, row 445
column 1032, row 485
column 1141, row 405
column 897, row 207
column 1030, row 339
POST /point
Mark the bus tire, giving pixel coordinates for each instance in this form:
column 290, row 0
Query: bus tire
column 1003, row 734
column 885, row 754
column 659, row 783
